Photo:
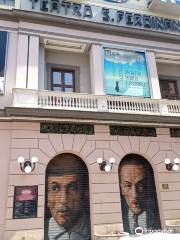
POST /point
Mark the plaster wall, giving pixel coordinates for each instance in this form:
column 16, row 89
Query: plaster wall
column 5, row 141
column 165, row 69
column 115, row 38
column 105, row 201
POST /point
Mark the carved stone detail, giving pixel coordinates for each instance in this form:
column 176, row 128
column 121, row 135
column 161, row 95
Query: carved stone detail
column 175, row 132
column 132, row 131
column 65, row 128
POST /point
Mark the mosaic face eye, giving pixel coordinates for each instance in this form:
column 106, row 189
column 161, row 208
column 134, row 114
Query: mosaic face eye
column 54, row 187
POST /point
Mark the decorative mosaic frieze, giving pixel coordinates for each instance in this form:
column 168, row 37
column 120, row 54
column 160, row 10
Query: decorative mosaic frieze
column 175, row 132
column 62, row 128
column 133, row 131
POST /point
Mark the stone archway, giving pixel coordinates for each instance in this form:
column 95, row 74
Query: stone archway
column 139, row 203
column 67, row 209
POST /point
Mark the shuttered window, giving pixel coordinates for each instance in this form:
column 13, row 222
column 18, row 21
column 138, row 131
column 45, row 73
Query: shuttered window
column 139, row 202
column 67, row 210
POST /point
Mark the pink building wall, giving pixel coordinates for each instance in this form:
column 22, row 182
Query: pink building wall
column 24, row 139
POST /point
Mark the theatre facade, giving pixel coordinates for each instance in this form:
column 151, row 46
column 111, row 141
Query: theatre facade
column 89, row 118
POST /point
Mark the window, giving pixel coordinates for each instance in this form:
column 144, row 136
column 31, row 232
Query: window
column 63, row 80
column 7, row 2
column 3, row 44
column 169, row 89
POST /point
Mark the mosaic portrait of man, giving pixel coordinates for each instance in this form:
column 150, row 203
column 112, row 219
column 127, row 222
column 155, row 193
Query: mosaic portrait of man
column 138, row 195
column 67, row 200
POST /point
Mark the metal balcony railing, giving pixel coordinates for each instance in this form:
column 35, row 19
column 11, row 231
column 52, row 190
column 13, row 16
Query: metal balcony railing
column 28, row 98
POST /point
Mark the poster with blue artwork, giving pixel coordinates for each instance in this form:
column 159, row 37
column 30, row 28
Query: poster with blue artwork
column 171, row 1
column 125, row 73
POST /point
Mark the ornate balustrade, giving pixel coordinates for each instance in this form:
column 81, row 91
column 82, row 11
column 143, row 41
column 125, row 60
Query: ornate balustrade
column 86, row 102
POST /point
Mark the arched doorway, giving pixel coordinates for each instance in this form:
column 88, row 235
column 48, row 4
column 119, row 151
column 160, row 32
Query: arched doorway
column 67, row 214
column 138, row 194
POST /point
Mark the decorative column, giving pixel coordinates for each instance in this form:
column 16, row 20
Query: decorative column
column 154, row 80
column 22, row 61
column 42, row 68
column 96, row 69
column 33, row 62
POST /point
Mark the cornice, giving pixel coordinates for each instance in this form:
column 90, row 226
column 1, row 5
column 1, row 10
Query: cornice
column 19, row 15
column 39, row 115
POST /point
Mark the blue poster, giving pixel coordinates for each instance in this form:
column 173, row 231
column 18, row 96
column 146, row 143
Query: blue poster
column 125, row 73
column 171, row 1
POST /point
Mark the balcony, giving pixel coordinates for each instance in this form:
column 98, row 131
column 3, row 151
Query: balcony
column 41, row 99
